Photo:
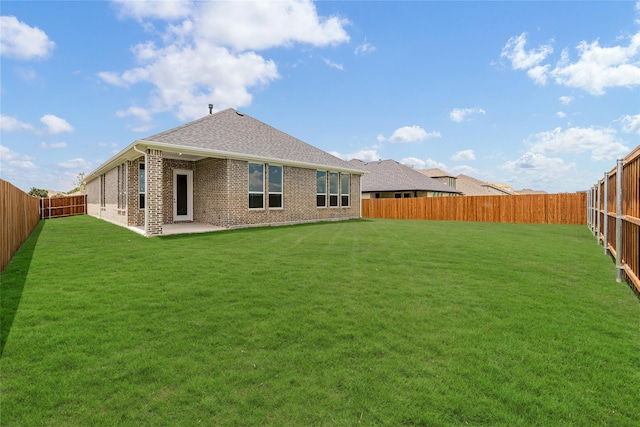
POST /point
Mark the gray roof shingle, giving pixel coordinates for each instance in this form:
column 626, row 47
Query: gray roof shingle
column 233, row 132
column 389, row 175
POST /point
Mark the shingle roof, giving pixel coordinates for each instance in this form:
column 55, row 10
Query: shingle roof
column 231, row 131
column 474, row 187
column 389, row 175
column 435, row 173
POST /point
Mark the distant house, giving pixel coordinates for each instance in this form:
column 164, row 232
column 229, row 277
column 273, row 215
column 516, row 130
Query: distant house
column 226, row 169
column 474, row 187
column 530, row 191
column 390, row 179
column 440, row 175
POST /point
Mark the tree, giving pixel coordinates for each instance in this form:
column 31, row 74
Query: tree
column 38, row 192
column 79, row 184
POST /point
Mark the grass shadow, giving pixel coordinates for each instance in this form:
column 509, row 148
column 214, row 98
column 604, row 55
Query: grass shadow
column 253, row 229
column 12, row 281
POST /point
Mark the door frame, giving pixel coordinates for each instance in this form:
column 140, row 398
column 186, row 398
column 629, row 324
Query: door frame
column 189, row 215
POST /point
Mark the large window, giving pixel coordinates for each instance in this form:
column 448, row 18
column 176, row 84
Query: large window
column 334, row 188
column 275, row 186
column 122, row 186
column 256, row 186
column 103, row 189
column 344, row 186
column 321, row 178
column 142, row 181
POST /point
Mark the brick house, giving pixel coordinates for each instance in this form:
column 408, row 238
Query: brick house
column 390, row 179
column 226, row 169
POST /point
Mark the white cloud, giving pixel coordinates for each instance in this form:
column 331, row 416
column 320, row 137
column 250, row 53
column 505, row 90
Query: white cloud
column 464, row 155
column 263, row 25
column 13, row 162
column 78, row 164
column 602, row 143
column 539, row 74
column 596, row 69
column 561, row 114
column 333, row 64
column 537, row 162
column 465, row 169
column 460, row 114
column 410, row 134
column 11, row 124
column 19, row 40
column 364, row 48
column 53, row 145
column 599, row 67
column 366, row 155
column 521, row 59
column 631, row 124
column 56, row 124
column 159, row 9
column 208, row 57
column 565, row 100
column 416, row 163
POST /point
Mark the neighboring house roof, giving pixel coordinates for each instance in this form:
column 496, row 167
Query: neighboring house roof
column 389, row 175
column 233, row 135
column 530, row 191
column 474, row 187
column 435, row 173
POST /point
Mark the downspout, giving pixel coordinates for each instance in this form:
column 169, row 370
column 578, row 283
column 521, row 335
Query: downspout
column 146, row 222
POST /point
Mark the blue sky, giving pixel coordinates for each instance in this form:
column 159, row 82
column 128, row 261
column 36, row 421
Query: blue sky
column 542, row 95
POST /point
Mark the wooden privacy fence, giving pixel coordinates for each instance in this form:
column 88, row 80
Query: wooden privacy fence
column 562, row 208
column 20, row 214
column 55, row 207
column 614, row 216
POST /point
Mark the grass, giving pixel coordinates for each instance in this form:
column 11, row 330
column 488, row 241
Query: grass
column 351, row 323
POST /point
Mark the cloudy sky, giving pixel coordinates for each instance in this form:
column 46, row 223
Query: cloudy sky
column 542, row 95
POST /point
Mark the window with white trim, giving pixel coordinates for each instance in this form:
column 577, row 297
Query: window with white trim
column 275, row 186
column 321, row 189
column 334, row 188
column 256, row 186
column 103, row 189
column 345, row 182
column 142, row 185
column 122, row 186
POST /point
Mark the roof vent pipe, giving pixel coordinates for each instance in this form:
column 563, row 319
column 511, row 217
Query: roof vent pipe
column 210, row 108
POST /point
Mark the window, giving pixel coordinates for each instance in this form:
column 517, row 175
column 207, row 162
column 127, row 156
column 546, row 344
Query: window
column 256, row 186
column 122, row 186
column 397, row 196
column 344, row 183
column 407, row 195
column 103, row 188
column 321, row 198
column 334, row 188
column 142, row 185
column 275, row 186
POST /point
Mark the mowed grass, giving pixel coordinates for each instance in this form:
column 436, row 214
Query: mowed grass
column 350, row 323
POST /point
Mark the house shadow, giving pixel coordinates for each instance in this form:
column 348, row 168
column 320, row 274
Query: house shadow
column 12, row 281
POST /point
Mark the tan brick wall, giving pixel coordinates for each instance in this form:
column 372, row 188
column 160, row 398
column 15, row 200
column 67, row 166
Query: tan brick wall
column 154, row 197
column 110, row 210
column 135, row 214
column 221, row 196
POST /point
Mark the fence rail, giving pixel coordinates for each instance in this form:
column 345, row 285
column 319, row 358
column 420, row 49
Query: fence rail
column 565, row 208
column 613, row 212
column 20, row 214
column 55, row 207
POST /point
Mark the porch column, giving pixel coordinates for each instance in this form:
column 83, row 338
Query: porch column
column 154, row 216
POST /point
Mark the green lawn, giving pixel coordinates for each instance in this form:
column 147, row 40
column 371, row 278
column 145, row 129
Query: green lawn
column 350, row 323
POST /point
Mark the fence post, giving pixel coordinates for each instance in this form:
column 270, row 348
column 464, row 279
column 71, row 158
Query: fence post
column 605, row 216
column 598, row 212
column 619, row 221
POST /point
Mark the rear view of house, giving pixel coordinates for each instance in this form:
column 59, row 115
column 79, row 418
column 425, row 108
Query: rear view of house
column 226, row 169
